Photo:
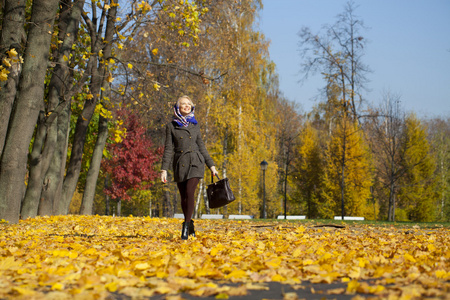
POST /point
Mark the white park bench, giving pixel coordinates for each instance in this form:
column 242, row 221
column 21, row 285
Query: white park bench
column 242, row 217
column 349, row 218
column 292, row 217
column 178, row 216
column 212, row 216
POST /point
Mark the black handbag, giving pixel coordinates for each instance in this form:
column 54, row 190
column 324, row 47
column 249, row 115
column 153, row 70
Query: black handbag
column 219, row 193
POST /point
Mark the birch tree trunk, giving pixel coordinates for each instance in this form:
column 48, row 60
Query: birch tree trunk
column 199, row 198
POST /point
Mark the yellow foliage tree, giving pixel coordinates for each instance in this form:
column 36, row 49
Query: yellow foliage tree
column 418, row 194
column 347, row 176
column 309, row 165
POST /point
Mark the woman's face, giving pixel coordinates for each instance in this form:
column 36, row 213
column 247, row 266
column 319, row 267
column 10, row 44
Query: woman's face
column 185, row 106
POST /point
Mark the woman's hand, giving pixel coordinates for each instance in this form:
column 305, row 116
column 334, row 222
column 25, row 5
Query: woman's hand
column 164, row 176
column 214, row 171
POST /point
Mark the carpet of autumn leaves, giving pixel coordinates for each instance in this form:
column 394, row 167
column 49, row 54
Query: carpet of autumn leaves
column 93, row 257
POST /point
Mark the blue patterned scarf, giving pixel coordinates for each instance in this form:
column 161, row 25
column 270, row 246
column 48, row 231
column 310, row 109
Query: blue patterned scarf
column 183, row 121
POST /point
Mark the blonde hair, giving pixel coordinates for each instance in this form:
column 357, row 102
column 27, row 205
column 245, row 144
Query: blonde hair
column 185, row 97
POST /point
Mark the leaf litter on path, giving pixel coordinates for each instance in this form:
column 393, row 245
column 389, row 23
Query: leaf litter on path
column 92, row 257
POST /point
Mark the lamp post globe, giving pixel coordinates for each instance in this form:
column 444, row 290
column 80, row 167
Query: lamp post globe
column 263, row 165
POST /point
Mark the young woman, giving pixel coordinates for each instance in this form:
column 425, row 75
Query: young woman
column 185, row 148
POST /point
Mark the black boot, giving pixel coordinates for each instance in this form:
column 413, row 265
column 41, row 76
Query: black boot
column 185, row 231
column 191, row 228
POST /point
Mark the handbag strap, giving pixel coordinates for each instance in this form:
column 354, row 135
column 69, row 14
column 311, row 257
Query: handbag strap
column 212, row 177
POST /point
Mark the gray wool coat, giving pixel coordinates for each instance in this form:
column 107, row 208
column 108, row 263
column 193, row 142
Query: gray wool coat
column 184, row 147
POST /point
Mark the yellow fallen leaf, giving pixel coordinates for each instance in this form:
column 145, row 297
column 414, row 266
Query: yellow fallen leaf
column 442, row 274
column 409, row 257
column 290, row 296
column 174, row 297
column 142, row 266
column 336, row 291
column 273, row 263
column 237, row 274
column 57, row 287
column 352, row 286
column 8, row 263
column 252, row 286
column 24, row 291
column 237, row 291
column 297, row 252
column 355, row 273
column 112, row 286
column 377, row 289
column 164, row 290
column 278, row 277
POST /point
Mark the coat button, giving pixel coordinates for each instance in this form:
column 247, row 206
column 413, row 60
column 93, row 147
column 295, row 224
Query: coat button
column 190, row 137
column 181, row 151
column 182, row 165
column 181, row 137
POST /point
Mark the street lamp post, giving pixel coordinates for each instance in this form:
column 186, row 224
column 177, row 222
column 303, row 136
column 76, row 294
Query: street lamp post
column 263, row 165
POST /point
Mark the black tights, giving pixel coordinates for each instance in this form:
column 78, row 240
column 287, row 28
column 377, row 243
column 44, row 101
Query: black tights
column 187, row 191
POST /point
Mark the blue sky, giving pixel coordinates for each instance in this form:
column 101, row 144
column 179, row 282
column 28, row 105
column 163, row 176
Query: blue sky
column 408, row 49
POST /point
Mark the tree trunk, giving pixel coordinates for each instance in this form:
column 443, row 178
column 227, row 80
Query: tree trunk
column 150, row 206
column 199, row 197
column 46, row 204
column 391, row 195
column 74, row 167
column 393, row 209
column 94, row 169
column 12, row 34
column 225, row 161
column 97, row 79
column 52, row 188
column 92, row 175
column 343, row 175
column 36, row 175
column 173, row 207
column 166, row 200
column 41, row 159
column 107, row 210
column 205, row 200
column 119, row 207
column 44, row 146
column 23, row 119
column 308, row 205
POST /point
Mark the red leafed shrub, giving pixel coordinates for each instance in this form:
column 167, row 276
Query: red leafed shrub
column 131, row 165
